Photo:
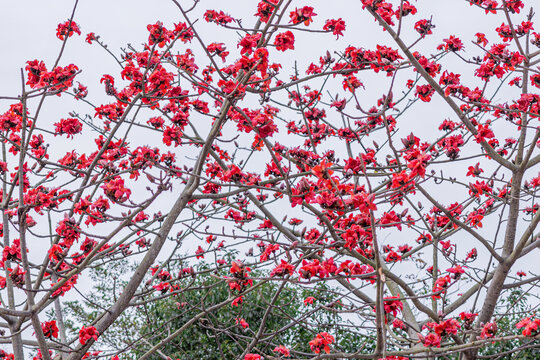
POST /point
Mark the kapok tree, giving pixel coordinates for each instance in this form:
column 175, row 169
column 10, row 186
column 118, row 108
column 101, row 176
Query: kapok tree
column 411, row 193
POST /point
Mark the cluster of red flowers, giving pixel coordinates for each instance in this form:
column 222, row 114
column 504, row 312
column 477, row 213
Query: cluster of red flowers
column 116, row 191
column 530, row 326
column 49, row 328
column 87, row 333
column 69, row 126
column 57, row 80
column 67, row 29
column 240, row 280
column 321, row 342
column 302, row 15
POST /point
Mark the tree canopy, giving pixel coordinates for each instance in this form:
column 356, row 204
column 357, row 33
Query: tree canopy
column 289, row 179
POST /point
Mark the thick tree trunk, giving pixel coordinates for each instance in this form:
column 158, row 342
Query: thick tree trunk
column 18, row 350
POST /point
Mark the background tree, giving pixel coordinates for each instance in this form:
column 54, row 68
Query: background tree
column 213, row 337
column 408, row 200
column 216, row 335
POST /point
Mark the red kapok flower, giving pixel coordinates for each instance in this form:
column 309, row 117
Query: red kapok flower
column 253, row 357
column 304, row 15
column 284, row 41
column 489, row 330
column 321, row 342
column 49, row 329
column 67, row 29
column 69, row 126
column 530, row 327
column 335, row 26
column 87, row 333
column 281, row 349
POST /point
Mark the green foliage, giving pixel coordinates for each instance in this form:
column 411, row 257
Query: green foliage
column 508, row 313
column 216, row 334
